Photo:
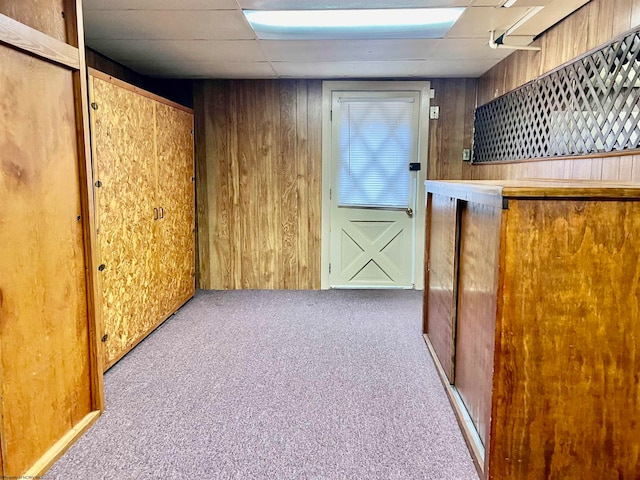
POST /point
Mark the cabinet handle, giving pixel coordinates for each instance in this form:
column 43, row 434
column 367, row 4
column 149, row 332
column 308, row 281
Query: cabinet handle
column 161, row 212
column 155, row 213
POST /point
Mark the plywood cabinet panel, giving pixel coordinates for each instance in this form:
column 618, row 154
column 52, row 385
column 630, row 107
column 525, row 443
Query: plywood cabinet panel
column 175, row 186
column 123, row 139
column 143, row 157
column 547, row 332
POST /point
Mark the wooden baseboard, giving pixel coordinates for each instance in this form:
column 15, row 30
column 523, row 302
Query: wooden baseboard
column 470, row 437
column 61, row 446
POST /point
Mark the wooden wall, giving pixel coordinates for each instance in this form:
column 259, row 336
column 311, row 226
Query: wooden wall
column 594, row 24
column 259, row 168
column 453, row 131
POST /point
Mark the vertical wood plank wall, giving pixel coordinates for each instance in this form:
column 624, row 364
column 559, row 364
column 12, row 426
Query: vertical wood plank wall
column 594, row 24
column 258, row 169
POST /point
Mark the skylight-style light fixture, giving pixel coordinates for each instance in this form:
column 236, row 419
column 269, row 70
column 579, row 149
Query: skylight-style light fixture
column 352, row 24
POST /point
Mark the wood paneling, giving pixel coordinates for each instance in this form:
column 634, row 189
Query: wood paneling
column 258, row 155
column 46, row 16
column 477, row 295
column 594, row 24
column 44, row 340
column 441, row 279
column 569, row 405
column 453, row 131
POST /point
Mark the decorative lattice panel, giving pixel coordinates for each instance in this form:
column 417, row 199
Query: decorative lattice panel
column 589, row 106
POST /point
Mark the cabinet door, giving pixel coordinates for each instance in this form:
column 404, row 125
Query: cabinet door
column 176, row 227
column 477, row 301
column 441, row 289
column 45, row 361
column 124, row 159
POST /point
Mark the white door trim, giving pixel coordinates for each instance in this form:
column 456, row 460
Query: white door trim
column 424, row 87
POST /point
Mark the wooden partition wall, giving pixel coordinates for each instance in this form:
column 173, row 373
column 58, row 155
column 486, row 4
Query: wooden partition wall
column 592, row 25
column 50, row 371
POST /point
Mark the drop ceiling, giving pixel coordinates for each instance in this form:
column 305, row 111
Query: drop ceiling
column 212, row 39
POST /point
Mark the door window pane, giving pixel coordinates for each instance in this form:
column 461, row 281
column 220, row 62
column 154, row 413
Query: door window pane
column 376, row 144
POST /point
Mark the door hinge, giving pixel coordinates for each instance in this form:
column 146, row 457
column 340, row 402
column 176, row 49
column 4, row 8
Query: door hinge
column 329, row 194
column 329, row 268
column 331, row 115
column 94, row 105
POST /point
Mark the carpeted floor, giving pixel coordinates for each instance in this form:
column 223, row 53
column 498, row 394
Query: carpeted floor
column 331, row 384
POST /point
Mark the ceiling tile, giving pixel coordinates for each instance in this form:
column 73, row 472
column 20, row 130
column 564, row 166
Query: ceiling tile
column 347, row 69
column 463, row 49
column 205, row 69
column 166, row 25
column 347, row 50
column 346, row 4
column 180, row 50
column 159, row 5
column 476, row 22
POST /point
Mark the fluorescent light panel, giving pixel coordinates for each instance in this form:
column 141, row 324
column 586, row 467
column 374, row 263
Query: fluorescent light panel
column 348, row 24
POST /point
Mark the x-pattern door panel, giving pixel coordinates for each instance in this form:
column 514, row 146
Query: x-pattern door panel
column 374, row 253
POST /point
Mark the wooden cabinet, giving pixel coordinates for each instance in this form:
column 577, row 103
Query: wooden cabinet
column 532, row 317
column 143, row 166
column 50, row 375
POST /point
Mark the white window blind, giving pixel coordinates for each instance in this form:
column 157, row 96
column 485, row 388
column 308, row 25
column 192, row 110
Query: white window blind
column 377, row 143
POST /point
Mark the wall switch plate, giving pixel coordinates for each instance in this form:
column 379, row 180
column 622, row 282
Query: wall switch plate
column 466, row 154
column 434, row 113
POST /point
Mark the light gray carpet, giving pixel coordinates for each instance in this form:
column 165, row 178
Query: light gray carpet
column 277, row 385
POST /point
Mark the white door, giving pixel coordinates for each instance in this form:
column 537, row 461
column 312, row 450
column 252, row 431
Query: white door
column 373, row 190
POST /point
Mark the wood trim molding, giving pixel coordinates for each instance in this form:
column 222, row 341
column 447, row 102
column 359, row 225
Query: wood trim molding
column 61, row 446
column 30, row 40
column 120, row 83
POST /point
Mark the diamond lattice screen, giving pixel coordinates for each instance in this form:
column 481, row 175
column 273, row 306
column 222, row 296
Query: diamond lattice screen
column 587, row 107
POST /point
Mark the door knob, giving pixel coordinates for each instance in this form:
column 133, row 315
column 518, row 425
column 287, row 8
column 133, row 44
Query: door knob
column 409, row 211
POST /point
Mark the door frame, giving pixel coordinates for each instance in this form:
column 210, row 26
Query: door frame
column 328, row 87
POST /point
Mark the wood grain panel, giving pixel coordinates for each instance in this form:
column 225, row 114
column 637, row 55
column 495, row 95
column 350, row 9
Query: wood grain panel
column 176, row 227
column 313, row 202
column 452, row 132
column 44, row 340
column 125, row 165
column 203, row 252
column 442, row 279
column 260, row 153
column 477, row 294
column 569, row 340
column 46, row 16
